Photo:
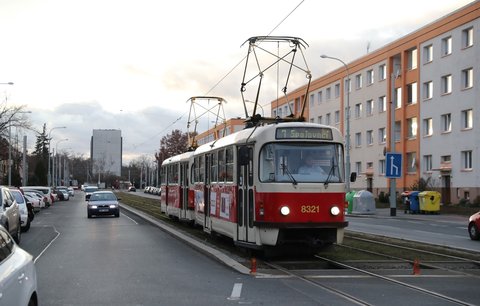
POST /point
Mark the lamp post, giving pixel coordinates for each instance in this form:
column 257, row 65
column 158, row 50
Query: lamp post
column 347, row 125
column 49, row 174
column 56, row 150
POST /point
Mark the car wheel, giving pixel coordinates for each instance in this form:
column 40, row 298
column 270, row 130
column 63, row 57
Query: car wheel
column 26, row 227
column 89, row 215
column 473, row 231
column 18, row 234
column 117, row 214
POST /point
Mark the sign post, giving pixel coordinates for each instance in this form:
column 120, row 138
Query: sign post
column 393, row 171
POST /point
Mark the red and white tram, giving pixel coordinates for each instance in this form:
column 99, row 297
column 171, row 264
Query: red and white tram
column 248, row 186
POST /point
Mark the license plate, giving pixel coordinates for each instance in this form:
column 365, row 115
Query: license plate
column 103, row 210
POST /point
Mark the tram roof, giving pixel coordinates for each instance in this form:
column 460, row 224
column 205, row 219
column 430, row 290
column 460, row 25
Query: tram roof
column 250, row 135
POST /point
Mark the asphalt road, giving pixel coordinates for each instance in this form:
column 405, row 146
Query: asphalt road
column 128, row 261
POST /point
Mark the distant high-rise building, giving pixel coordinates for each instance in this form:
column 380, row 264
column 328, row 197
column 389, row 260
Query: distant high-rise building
column 106, row 152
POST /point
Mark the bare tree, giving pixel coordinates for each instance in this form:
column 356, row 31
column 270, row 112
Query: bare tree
column 12, row 116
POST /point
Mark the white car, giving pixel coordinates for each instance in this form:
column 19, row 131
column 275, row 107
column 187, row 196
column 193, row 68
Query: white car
column 36, row 195
column 26, row 213
column 9, row 214
column 18, row 276
column 34, row 200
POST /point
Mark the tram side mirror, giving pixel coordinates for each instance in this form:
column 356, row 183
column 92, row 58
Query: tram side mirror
column 243, row 156
column 353, row 177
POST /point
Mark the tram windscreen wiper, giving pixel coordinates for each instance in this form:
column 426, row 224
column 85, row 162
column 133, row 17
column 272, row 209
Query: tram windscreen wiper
column 284, row 168
column 332, row 169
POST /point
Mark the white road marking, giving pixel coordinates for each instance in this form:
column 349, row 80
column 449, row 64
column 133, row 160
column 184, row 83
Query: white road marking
column 48, row 245
column 236, row 291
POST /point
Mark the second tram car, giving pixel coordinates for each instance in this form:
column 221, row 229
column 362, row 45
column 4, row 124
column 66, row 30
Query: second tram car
column 274, row 185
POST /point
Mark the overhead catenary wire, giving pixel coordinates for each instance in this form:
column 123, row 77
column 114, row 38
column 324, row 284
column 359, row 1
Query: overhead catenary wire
column 222, row 78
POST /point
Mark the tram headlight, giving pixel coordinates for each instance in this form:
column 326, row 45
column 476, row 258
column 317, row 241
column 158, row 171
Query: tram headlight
column 335, row 211
column 285, row 211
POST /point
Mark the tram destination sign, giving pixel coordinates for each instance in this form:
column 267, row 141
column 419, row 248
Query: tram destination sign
column 304, row 133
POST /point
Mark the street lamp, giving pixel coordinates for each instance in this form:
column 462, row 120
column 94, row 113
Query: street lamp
column 347, row 118
column 56, row 150
column 49, row 178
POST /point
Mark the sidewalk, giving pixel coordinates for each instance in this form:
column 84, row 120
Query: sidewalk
column 400, row 214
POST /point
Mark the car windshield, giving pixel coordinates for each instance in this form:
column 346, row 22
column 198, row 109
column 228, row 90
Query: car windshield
column 103, row 197
column 18, row 196
column 91, row 189
column 301, row 162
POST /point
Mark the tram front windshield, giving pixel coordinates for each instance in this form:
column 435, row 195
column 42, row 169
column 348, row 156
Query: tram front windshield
column 302, row 163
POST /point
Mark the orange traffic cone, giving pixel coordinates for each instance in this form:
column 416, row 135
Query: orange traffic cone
column 416, row 267
column 253, row 268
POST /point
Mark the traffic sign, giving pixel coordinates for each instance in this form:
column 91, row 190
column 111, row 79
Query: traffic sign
column 393, row 165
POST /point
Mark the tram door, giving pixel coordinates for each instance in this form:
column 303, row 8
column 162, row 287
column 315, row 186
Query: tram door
column 183, row 190
column 245, row 200
column 207, row 227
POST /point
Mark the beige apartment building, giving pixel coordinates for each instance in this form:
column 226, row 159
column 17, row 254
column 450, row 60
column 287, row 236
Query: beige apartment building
column 429, row 79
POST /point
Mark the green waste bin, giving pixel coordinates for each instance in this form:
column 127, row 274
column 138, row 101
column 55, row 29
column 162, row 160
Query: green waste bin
column 429, row 201
column 349, row 200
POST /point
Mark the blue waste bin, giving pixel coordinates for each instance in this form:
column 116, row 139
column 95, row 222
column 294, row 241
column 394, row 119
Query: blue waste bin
column 414, row 202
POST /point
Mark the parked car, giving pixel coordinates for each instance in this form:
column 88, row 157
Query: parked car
column 18, row 281
column 474, row 226
column 9, row 213
column 62, row 193
column 38, row 195
column 89, row 190
column 47, row 191
column 132, row 189
column 34, row 201
column 25, row 209
column 103, row 203
column 71, row 191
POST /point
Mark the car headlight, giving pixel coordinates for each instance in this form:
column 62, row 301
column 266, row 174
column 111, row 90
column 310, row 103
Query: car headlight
column 93, row 206
column 113, row 205
column 335, row 211
column 284, row 210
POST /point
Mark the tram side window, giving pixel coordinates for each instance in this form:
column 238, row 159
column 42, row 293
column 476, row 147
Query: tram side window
column 201, row 168
column 229, row 164
column 163, row 178
column 214, row 167
column 267, row 165
column 172, row 174
column 222, row 174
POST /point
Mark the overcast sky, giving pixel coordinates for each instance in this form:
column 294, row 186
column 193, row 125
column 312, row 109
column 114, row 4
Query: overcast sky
column 133, row 64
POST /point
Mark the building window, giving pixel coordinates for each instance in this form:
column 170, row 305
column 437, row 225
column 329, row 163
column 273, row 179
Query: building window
column 428, row 127
column 382, row 135
column 370, row 77
column 467, row 160
column 467, row 78
column 427, row 163
column 327, row 119
column 312, row 120
column 369, row 137
column 337, row 90
column 446, row 46
column 369, row 107
column 445, row 159
column 280, row 113
column 412, row 59
column 382, row 104
column 358, row 139
column 382, row 72
column 274, row 113
column 358, row 167
column 412, row 127
column 320, row 97
column 446, row 123
column 412, row 93
column 381, row 166
column 337, row 117
column 398, row 95
column 358, row 81
column 467, row 37
column 446, row 84
column 411, row 162
column 348, row 85
column 319, row 119
column 467, row 119
column 312, row 100
column 427, row 90
column 358, row 110
column 328, row 94
column 427, row 54
column 398, row 131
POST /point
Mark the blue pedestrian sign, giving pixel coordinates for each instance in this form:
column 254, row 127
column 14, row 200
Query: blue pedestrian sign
column 393, row 165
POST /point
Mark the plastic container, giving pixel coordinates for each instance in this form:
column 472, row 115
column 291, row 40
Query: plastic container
column 429, row 201
column 414, row 202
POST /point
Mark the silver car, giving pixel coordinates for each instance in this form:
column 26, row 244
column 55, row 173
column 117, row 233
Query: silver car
column 18, row 281
column 9, row 213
